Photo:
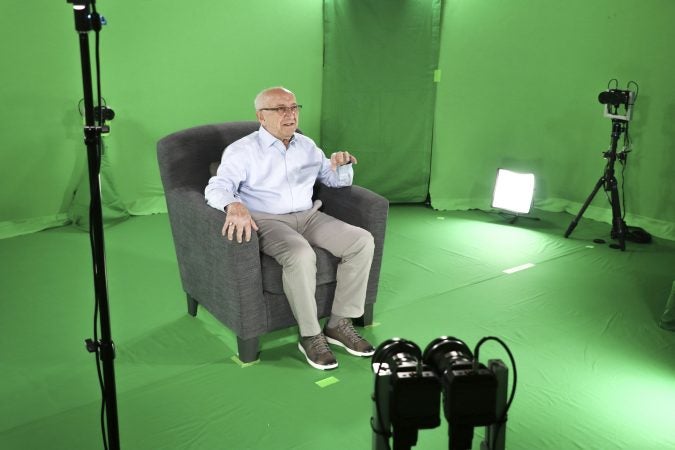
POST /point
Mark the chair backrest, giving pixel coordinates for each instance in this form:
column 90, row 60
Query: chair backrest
column 184, row 157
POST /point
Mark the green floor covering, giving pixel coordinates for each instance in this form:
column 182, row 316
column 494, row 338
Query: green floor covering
column 595, row 370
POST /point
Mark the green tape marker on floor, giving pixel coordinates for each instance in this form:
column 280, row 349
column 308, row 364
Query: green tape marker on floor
column 326, row 382
column 242, row 364
column 518, row 268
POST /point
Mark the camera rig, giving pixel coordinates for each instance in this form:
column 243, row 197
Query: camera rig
column 408, row 387
column 618, row 107
column 618, row 103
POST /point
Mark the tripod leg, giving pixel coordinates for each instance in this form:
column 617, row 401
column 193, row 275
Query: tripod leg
column 588, row 201
column 618, row 225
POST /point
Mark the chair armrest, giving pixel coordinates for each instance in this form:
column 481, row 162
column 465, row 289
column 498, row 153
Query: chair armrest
column 355, row 205
column 223, row 276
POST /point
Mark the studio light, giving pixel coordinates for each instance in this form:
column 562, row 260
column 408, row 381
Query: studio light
column 513, row 191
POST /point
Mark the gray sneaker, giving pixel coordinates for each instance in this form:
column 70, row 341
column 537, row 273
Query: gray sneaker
column 317, row 352
column 345, row 335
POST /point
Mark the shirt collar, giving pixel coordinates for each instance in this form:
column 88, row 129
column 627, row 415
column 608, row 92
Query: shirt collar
column 268, row 140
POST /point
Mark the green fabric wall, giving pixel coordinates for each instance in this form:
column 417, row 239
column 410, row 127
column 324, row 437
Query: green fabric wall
column 165, row 66
column 519, row 90
column 378, row 96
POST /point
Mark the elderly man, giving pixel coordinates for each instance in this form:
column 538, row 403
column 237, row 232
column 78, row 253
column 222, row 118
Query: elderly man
column 265, row 183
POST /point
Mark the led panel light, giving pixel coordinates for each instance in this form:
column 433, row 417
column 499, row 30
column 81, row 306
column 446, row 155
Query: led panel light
column 513, row 191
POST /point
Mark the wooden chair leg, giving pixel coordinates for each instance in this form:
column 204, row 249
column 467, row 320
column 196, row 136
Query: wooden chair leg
column 192, row 306
column 248, row 349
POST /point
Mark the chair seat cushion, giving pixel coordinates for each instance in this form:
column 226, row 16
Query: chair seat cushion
column 326, row 268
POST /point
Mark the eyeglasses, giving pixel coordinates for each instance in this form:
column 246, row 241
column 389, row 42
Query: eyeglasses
column 283, row 110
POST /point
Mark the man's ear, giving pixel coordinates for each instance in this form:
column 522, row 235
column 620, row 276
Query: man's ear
column 259, row 116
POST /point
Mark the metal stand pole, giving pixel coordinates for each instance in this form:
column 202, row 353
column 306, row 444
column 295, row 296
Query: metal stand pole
column 104, row 347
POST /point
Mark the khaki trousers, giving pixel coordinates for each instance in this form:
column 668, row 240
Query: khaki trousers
column 288, row 238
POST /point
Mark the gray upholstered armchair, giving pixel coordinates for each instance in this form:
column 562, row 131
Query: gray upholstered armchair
column 235, row 282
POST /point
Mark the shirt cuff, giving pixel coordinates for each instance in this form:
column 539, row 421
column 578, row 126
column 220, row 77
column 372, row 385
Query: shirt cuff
column 345, row 174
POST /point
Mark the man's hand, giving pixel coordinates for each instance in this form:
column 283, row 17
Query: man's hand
column 338, row 159
column 238, row 222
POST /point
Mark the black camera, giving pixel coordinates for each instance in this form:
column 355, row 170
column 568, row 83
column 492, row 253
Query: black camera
column 408, row 387
column 616, row 97
column 407, row 394
column 469, row 388
column 618, row 103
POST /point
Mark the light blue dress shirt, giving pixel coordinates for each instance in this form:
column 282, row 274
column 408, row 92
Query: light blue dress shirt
column 260, row 172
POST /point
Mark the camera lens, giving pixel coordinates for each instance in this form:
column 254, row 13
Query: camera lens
column 396, row 351
column 613, row 97
column 444, row 352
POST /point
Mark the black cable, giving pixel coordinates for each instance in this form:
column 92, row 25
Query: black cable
column 502, row 419
column 624, row 164
column 104, row 104
column 96, row 26
column 626, row 150
column 637, row 89
column 97, row 58
column 99, row 369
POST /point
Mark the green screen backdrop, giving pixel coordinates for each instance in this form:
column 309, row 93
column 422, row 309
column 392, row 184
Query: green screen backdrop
column 379, row 91
column 166, row 66
column 520, row 81
column 517, row 87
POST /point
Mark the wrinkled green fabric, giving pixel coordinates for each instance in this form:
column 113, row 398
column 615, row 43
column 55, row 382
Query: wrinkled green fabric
column 520, row 91
column 668, row 318
column 112, row 208
column 379, row 90
column 595, row 371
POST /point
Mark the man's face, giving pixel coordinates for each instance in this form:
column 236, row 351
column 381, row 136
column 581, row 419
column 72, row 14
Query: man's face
column 280, row 124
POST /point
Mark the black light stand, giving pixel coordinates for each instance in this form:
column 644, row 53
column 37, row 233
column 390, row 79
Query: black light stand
column 608, row 180
column 87, row 19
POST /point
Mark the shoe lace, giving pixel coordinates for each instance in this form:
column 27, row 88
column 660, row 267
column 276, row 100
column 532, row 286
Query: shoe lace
column 347, row 329
column 319, row 344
